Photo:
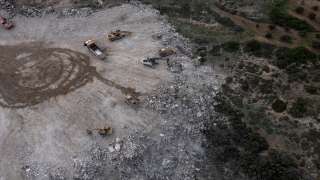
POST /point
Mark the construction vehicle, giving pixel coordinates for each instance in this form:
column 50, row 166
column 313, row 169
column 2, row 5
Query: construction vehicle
column 106, row 130
column 132, row 101
column 94, row 49
column 117, row 34
column 151, row 61
column 166, row 52
column 174, row 67
column 5, row 23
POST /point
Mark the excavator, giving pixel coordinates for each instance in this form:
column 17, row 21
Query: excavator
column 132, row 101
column 151, row 61
column 5, row 23
column 117, row 34
column 103, row 131
column 166, row 52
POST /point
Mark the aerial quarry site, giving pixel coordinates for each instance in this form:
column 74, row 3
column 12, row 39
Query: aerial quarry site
column 145, row 90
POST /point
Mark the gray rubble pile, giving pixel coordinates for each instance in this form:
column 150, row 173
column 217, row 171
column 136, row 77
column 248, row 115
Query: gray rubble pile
column 190, row 93
column 168, row 37
column 6, row 5
column 60, row 13
column 167, row 34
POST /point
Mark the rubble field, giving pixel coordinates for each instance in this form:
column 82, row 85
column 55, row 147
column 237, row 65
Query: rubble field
column 53, row 88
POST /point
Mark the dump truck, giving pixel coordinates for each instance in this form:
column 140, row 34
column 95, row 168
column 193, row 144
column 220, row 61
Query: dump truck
column 103, row 131
column 95, row 49
column 151, row 61
column 132, row 101
column 117, row 34
column 166, row 52
column 5, row 23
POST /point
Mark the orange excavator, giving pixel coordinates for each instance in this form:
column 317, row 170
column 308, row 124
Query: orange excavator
column 5, row 23
column 106, row 130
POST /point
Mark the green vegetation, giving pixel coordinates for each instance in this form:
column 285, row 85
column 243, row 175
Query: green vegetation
column 311, row 15
column 298, row 55
column 271, row 26
column 281, row 18
column 299, row 107
column 303, row 33
column 266, row 68
column 285, row 38
column 311, row 89
column 315, row 8
column 316, row 44
column 268, row 35
column 231, row 46
column 279, row 106
column 299, row 9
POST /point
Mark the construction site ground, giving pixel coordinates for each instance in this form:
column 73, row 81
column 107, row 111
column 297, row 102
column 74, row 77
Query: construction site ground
column 53, row 88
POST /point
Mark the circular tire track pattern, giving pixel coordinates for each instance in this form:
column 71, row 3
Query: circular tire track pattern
column 30, row 75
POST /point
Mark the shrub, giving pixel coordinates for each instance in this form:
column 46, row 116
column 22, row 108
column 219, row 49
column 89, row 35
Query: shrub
column 299, row 107
column 279, row 106
column 311, row 15
column 266, row 68
column 315, row 8
column 245, row 86
column 229, row 80
column 231, row 46
column 252, row 46
column 284, row 19
column 269, row 130
column 311, row 89
column 299, row 10
column 287, row 29
column 285, row 38
column 271, row 26
column 296, row 55
column 316, row 44
column 317, row 35
column 268, row 35
column 302, row 75
column 302, row 33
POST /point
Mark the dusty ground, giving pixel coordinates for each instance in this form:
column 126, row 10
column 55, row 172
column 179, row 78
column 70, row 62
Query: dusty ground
column 52, row 88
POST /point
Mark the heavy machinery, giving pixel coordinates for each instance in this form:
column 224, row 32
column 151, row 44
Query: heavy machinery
column 151, row 61
column 166, row 52
column 117, row 34
column 174, row 67
column 132, row 101
column 5, row 23
column 94, row 49
column 106, row 130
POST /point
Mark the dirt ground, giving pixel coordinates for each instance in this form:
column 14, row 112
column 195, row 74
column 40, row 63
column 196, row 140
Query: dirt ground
column 53, row 88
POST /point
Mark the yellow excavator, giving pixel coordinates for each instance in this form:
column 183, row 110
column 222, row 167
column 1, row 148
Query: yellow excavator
column 166, row 52
column 103, row 131
column 132, row 101
column 117, row 34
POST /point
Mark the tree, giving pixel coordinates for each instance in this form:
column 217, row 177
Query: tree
column 316, row 44
column 311, row 15
column 269, row 35
column 279, row 106
column 315, row 8
column 299, row 10
column 271, row 26
column 285, row 38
